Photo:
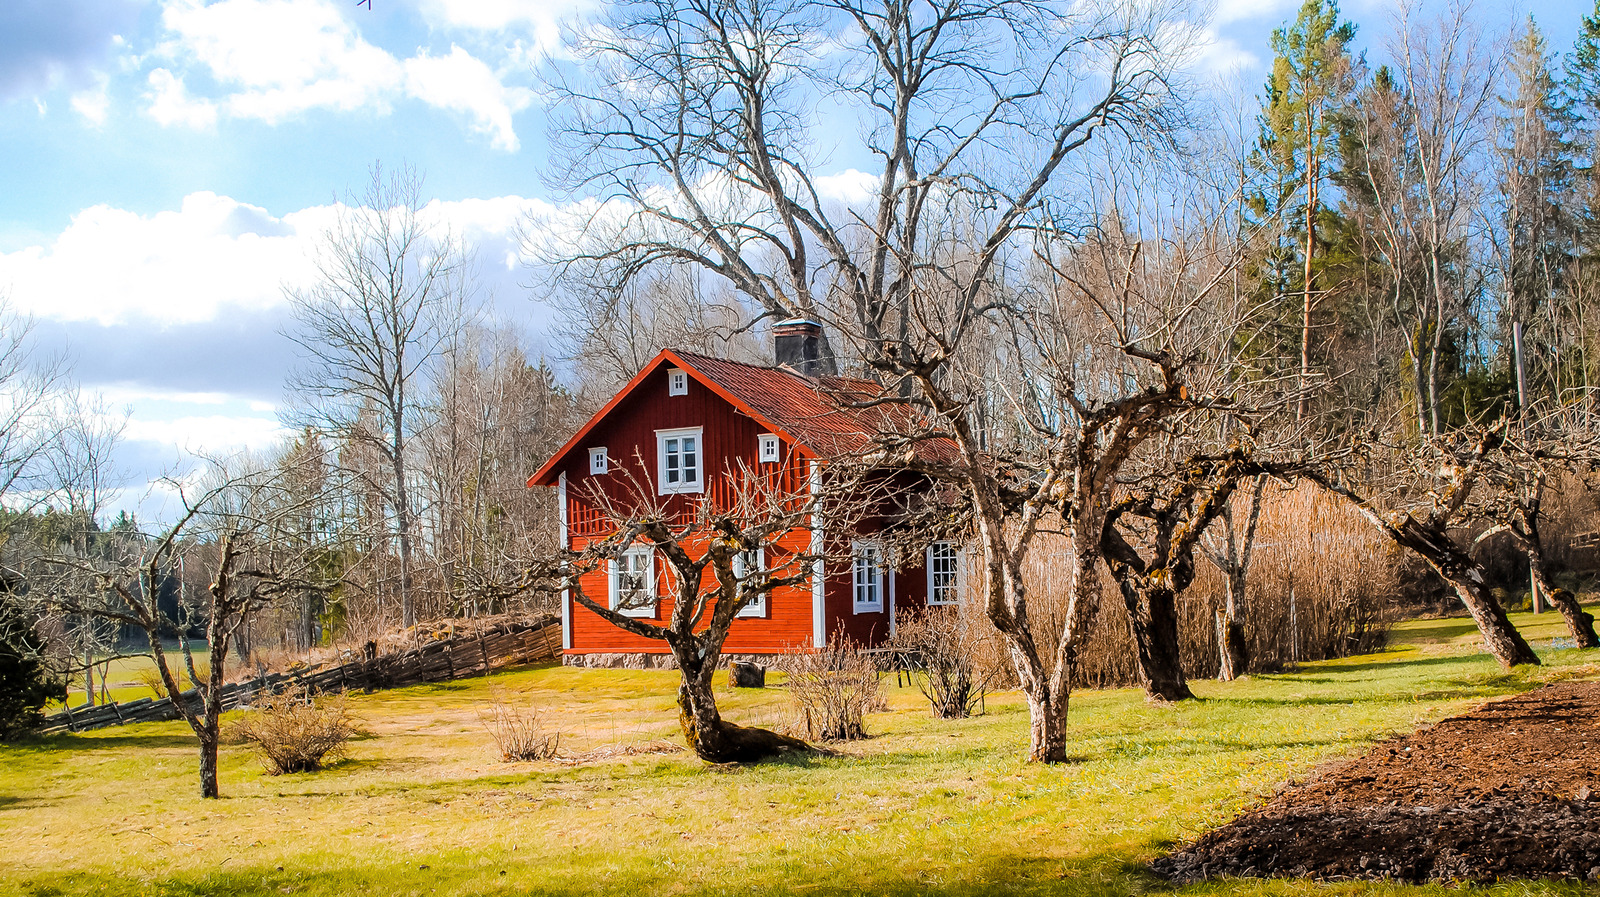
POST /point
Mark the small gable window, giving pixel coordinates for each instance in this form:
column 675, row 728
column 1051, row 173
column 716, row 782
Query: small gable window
column 867, row 577
column 944, row 573
column 678, row 461
column 677, row 382
column 749, row 565
column 633, row 582
column 767, row 448
column 597, row 460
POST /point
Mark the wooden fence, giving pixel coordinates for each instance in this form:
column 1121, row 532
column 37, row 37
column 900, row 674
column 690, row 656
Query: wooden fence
column 506, row 645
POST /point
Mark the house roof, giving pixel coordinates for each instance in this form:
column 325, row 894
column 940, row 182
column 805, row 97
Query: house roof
column 822, row 416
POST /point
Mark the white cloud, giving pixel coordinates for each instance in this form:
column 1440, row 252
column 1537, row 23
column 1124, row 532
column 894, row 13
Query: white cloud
column 539, row 19
column 212, row 254
column 182, row 266
column 850, row 186
column 464, row 83
column 273, row 59
column 170, row 103
column 281, row 57
column 208, row 434
column 93, row 104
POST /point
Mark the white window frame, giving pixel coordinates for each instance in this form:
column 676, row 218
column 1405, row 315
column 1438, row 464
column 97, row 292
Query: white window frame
column 598, row 461
column 698, row 484
column 874, row 583
column 647, row 555
column 954, row 584
column 677, row 382
column 741, row 568
column 767, row 449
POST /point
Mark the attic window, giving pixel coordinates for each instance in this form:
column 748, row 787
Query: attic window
column 597, row 460
column 678, row 461
column 766, row 448
column 677, row 382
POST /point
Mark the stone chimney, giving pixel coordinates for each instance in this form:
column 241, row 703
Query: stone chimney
column 797, row 345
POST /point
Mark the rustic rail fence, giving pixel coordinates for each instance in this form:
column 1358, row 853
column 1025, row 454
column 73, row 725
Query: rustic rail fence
column 505, row 645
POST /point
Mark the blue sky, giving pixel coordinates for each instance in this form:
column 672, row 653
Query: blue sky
column 169, row 166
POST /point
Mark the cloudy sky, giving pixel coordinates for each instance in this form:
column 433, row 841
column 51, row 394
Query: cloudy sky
column 170, row 165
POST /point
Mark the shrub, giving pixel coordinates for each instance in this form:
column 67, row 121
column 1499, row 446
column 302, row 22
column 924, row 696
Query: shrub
column 833, row 689
column 296, row 733
column 518, row 730
column 26, row 684
column 946, row 653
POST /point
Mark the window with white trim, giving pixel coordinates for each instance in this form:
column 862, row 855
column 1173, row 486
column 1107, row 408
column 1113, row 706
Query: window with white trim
column 678, row 461
column 767, row 448
column 677, row 382
column 944, row 573
column 745, row 564
column 597, row 460
column 867, row 577
column 633, row 582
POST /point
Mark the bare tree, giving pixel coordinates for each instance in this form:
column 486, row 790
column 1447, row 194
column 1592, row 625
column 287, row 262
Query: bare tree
column 1230, row 548
column 230, row 537
column 692, row 122
column 722, row 553
column 493, row 418
column 1419, row 498
column 391, row 290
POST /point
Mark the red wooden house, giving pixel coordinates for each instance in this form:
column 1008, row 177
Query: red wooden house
column 678, row 424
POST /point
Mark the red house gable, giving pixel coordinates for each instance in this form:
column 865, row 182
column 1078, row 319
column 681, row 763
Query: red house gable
column 719, row 415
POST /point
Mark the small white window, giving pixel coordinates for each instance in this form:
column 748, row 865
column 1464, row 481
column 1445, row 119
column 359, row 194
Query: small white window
column 633, row 582
column 766, row 448
column 746, row 563
column 677, row 382
column 678, row 461
column 868, row 577
column 944, row 573
column 597, row 460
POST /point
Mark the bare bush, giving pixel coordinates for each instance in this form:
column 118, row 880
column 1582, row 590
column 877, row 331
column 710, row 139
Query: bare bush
column 833, row 688
column 294, row 732
column 949, row 657
column 518, row 730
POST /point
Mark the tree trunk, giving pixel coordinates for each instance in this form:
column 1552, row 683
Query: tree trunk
column 1579, row 622
column 1233, row 652
column 1499, row 636
column 208, row 765
column 1153, row 616
column 1465, row 575
column 713, row 739
column 1047, row 725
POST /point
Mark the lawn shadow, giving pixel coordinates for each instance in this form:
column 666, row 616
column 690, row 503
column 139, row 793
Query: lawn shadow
column 100, row 741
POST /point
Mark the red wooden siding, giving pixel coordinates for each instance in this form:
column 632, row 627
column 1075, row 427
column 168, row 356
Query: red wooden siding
column 728, row 437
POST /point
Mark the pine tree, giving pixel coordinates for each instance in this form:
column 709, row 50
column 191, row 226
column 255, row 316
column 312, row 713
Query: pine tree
column 1536, row 179
column 1311, row 81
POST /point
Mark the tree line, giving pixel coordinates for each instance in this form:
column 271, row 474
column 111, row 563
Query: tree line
column 1125, row 313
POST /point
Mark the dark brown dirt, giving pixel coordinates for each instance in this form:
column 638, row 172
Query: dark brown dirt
column 1510, row 790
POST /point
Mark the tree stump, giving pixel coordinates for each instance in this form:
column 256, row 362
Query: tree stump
column 746, row 675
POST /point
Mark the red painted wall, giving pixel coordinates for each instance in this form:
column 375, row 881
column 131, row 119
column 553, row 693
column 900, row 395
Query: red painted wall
column 629, row 435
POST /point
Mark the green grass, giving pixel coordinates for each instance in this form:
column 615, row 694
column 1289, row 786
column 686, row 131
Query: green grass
column 927, row 807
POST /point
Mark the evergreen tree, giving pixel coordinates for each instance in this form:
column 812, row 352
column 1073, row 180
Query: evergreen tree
column 1534, row 151
column 1311, row 81
column 26, row 684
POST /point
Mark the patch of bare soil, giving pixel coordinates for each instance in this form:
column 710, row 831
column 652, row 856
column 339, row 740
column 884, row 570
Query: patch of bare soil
column 1510, row 790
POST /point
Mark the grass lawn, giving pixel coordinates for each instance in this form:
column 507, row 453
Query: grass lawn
column 422, row 806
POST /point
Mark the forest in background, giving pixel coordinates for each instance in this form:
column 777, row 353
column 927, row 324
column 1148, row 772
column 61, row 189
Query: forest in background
column 1199, row 349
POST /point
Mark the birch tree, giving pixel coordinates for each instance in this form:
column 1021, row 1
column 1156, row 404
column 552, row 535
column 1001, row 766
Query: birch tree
column 390, row 290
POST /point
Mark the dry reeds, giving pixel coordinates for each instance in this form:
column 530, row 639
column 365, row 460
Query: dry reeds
column 1321, row 585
